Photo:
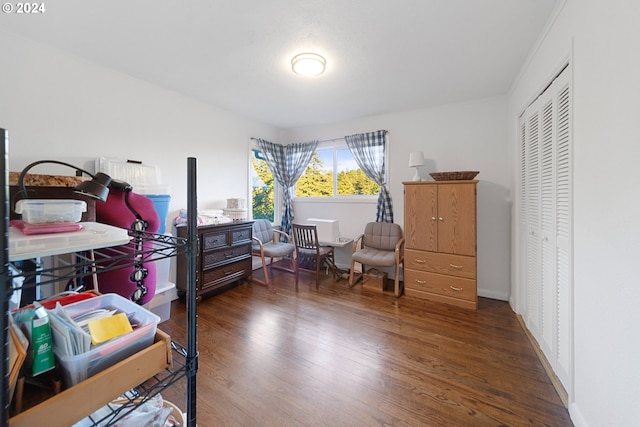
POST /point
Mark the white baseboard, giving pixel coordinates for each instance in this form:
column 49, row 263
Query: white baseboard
column 576, row 416
column 502, row 296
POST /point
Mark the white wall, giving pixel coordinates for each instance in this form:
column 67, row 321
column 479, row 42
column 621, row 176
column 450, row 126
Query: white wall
column 463, row 136
column 603, row 41
column 57, row 106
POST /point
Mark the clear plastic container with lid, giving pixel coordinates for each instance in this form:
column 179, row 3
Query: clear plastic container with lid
column 45, row 211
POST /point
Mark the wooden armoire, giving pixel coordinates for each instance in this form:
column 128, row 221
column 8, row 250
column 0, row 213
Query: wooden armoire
column 440, row 241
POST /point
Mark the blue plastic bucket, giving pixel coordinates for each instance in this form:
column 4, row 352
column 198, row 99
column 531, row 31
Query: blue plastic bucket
column 161, row 203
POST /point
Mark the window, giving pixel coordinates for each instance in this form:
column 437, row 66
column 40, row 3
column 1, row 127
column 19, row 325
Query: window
column 333, row 172
column 262, row 188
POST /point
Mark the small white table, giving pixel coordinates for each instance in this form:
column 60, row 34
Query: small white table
column 340, row 243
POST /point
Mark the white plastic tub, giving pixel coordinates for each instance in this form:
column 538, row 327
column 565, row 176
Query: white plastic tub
column 75, row 369
column 160, row 305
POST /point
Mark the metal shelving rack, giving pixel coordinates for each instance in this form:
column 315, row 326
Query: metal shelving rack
column 87, row 263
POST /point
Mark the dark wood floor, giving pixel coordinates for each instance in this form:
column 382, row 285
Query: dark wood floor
column 354, row 357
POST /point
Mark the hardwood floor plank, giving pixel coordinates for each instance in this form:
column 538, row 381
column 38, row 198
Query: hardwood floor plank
column 340, row 356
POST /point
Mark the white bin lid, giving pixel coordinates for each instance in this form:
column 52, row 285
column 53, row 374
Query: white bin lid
column 136, row 173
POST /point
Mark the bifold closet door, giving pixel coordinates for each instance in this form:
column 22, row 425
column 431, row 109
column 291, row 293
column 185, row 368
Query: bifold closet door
column 545, row 223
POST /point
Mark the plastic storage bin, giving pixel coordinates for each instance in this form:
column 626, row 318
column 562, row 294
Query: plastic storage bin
column 75, row 369
column 161, row 204
column 43, row 211
column 160, row 305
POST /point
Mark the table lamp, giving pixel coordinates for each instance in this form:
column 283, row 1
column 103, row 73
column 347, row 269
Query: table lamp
column 416, row 159
column 96, row 188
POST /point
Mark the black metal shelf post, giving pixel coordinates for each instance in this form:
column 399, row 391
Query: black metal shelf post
column 4, row 295
column 192, row 316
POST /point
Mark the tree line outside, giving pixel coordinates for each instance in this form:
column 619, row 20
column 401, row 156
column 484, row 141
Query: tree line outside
column 263, row 197
column 317, row 181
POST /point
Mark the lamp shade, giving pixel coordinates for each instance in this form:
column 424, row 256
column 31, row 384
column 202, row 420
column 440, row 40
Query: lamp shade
column 97, row 188
column 416, row 158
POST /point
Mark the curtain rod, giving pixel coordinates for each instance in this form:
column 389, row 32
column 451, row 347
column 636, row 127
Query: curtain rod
column 324, row 140
column 332, row 139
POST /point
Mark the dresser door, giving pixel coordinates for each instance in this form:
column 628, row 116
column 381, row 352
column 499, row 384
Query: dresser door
column 420, row 217
column 457, row 219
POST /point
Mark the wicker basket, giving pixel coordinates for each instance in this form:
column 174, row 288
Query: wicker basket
column 454, row 176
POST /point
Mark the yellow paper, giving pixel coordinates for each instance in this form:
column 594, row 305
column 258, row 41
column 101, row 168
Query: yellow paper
column 104, row 329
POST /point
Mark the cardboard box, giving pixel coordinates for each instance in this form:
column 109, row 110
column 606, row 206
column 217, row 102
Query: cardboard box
column 374, row 279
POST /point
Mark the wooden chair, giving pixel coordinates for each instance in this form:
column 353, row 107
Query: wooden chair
column 381, row 245
column 267, row 244
column 310, row 256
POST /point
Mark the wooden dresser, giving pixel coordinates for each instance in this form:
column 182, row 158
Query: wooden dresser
column 440, row 241
column 224, row 257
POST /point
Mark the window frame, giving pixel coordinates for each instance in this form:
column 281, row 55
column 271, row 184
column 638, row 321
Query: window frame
column 335, row 145
column 277, row 189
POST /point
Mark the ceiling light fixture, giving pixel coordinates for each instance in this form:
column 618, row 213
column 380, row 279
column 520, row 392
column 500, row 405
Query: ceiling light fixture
column 308, row 64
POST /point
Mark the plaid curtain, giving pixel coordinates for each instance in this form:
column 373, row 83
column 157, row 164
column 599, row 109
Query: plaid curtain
column 287, row 164
column 368, row 149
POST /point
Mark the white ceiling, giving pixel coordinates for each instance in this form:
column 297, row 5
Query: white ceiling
column 382, row 55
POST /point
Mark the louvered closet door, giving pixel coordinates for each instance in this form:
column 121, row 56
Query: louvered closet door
column 533, row 273
column 564, row 236
column 545, row 216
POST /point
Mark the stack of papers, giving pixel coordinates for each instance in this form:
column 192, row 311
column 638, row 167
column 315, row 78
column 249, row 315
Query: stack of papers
column 74, row 336
column 69, row 339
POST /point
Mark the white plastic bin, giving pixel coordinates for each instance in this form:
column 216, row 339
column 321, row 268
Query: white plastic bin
column 160, row 305
column 75, row 369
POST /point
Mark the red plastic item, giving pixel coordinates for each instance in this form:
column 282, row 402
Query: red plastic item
column 50, row 304
column 57, row 227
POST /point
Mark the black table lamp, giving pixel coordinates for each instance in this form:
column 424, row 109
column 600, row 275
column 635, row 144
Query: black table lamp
column 97, row 188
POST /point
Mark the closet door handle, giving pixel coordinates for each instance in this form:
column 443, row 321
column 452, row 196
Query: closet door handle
column 433, row 218
column 441, row 219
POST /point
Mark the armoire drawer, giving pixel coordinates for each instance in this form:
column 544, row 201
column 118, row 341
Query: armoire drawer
column 454, row 287
column 449, row 264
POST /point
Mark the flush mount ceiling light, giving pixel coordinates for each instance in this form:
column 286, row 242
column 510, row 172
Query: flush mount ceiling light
column 308, row 64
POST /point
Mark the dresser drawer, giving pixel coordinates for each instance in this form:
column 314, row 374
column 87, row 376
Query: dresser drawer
column 224, row 257
column 211, row 259
column 226, row 273
column 240, row 235
column 454, row 287
column 214, row 240
column 454, row 265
